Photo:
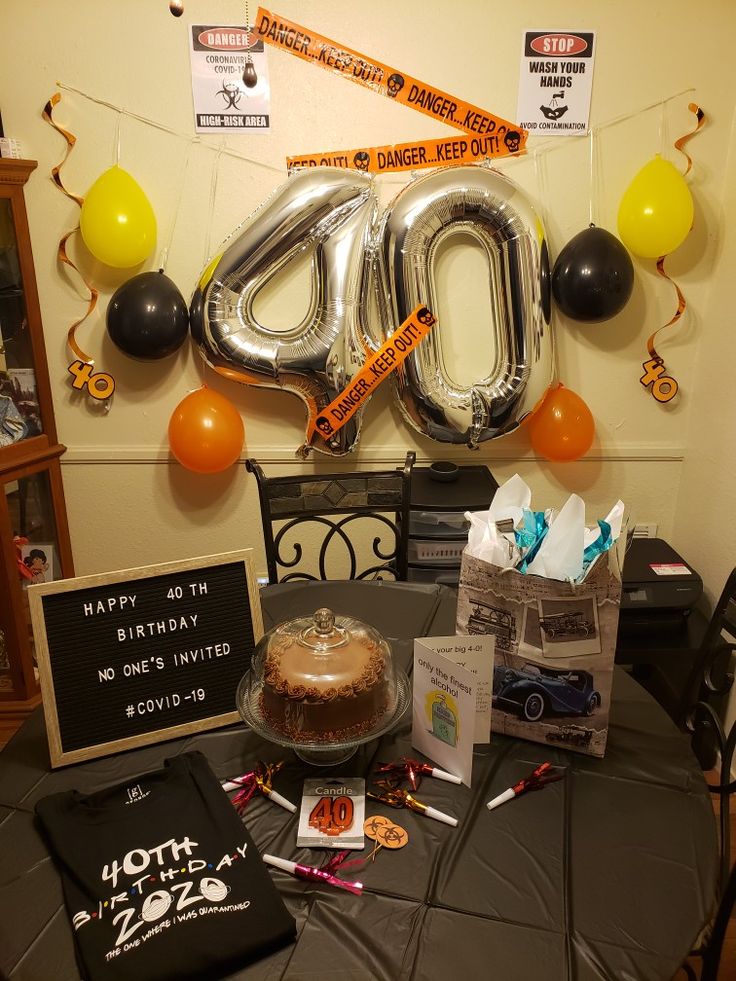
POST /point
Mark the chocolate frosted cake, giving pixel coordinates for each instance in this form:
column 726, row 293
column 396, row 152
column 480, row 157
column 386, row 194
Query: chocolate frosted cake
column 326, row 680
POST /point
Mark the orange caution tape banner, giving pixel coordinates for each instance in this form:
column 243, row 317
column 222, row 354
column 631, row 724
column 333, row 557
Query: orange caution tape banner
column 402, row 88
column 414, row 156
column 376, row 369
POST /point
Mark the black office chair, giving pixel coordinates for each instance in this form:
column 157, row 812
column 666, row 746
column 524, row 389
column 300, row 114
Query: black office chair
column 709, row 684
column 336, row 505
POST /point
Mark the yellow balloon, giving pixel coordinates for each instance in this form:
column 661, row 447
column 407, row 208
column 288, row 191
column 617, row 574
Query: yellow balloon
column 117, row 221
column 656, row 212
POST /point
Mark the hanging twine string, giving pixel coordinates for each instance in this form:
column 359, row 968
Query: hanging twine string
column 592, row 175
column 232, row 374
column 548, row 147
column 164, row 256
column 542, row 179
column 162, row 127
column 663, row 127
column 248, row 25
column 213, row 197
column 117, row 137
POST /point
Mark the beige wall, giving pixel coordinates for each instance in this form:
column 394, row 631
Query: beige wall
column 127, row 503
column 704, row 528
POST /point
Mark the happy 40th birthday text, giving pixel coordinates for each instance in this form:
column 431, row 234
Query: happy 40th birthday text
column 149, row 629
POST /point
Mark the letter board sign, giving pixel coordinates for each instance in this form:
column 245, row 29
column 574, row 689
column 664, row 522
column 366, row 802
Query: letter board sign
column 138, row 656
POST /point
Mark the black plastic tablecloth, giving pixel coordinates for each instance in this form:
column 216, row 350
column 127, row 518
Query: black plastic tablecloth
column 609, row 873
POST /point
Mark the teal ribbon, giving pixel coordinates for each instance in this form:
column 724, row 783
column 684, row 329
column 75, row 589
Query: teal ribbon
column 530, row 536
column 602, row 544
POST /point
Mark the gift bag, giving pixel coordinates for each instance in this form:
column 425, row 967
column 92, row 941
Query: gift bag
column 555, row 647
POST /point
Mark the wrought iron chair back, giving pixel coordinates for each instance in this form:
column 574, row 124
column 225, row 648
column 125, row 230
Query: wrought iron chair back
column 339, row 503
column 711, row 677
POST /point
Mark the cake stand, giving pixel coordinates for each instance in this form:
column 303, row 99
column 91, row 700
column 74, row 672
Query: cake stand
column 248, row 700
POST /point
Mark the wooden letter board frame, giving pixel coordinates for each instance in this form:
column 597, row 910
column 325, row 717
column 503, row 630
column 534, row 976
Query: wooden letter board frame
column 129, row 578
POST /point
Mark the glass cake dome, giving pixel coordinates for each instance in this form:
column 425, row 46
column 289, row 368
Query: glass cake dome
column 323, row 685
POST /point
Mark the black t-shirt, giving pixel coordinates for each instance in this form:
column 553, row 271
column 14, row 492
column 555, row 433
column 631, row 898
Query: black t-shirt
column 161, row 878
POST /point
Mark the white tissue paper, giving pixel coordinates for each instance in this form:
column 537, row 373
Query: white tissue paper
column 561, row 554
column 485, row 541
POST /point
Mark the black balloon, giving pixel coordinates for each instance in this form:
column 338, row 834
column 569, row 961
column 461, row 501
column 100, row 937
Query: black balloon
column 147, row 317
column 593, row 277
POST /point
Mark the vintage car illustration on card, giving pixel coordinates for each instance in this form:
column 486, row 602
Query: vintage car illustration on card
column 535, row 692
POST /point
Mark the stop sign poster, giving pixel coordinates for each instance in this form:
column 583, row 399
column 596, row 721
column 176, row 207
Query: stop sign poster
column 555, row 82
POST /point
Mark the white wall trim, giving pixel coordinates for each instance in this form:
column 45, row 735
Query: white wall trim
column 283, row 456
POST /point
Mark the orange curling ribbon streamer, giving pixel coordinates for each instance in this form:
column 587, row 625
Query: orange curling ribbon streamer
column 99, row 385
column 71, row 339
column 700, row 122
column 70, row 143
column 664, row 387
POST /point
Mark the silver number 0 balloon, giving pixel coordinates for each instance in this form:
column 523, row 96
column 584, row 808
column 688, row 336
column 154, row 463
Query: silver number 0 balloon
column 333, row 212
column 490, row 208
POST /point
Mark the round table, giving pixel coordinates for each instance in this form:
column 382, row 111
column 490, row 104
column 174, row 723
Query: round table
column 609, row 873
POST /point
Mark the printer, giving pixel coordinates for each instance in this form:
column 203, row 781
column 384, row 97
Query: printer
column 659, row 588
column 660, row 630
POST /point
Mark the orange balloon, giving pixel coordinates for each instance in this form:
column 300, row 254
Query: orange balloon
column 562, row 429
column 206, row 432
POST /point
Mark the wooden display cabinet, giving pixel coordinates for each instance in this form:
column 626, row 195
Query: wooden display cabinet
column 34, row 532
